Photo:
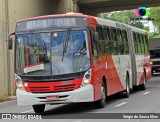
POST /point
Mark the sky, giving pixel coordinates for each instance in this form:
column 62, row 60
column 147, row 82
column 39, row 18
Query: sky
column 150, row 24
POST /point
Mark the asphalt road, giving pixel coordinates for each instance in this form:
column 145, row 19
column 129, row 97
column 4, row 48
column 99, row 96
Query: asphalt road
column 147, row 101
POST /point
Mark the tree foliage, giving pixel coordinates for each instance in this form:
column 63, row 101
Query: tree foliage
column 155, row 13
column 124, row 17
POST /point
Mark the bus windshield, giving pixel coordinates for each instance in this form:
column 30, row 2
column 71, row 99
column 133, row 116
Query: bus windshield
column 52, row 53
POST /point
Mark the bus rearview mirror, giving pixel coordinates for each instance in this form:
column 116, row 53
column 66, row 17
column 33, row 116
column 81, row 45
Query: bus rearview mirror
column 10, row 41
column 96, row 37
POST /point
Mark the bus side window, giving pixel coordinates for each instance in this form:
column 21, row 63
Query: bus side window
column 120, row 42
column 101, row 46
column 142, row 44
column 135, row 42
column 145, row 48
column 94, row 46
column 114, row 41
column 147, row 44
column 125, row 42
column 138, row 43
column 107, row 39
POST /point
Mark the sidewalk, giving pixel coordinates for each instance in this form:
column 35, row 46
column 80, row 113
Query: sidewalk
column 7, row 98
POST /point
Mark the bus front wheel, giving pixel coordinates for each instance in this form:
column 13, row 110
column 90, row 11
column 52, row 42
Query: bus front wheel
column 38, row 108
column 102, row 102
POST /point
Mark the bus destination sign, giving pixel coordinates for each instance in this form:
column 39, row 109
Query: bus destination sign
column 51, row 23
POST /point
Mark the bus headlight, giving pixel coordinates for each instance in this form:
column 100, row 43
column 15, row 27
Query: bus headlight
column 19, row 83
column 86, row 78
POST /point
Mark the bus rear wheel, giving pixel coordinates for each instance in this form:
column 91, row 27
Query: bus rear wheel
column 38, row 108
column 102, row 102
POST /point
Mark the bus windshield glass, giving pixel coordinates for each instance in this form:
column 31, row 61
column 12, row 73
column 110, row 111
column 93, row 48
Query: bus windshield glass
column 52, row 53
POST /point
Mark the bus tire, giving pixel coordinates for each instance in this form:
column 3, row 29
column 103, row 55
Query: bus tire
column 38, row 108
column 127, row 91
column 143, row 86
column 102, row 102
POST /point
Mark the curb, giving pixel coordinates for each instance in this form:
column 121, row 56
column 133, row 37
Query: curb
column 7, row 98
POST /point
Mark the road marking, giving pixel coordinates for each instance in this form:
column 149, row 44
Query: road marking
column 121, row 104
column 27, row 111
column 7, row 102
column 146, row 93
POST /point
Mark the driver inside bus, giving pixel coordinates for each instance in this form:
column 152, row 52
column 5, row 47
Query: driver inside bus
column 83, row 48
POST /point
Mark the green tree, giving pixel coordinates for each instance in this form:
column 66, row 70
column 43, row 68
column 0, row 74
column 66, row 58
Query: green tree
column 146, row 28
column 120, row 16
column 155, row 14
column 124, row 17
column 138, row 24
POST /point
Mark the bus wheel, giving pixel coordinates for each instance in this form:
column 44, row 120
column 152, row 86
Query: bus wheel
column 143, row 86
column 102, row 102
column 127, row 91
column 38, row 108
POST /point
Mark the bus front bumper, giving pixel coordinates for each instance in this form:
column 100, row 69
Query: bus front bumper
column 83, row 94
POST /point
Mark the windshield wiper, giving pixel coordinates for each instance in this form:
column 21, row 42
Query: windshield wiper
column 65, row 46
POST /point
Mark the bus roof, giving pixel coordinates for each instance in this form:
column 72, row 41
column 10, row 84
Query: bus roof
column 111, row 23
column 55, row 15
column 100, row 21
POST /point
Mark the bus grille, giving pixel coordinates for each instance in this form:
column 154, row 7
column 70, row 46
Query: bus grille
column 64, row 88
column 39, row 89
column 52, row 90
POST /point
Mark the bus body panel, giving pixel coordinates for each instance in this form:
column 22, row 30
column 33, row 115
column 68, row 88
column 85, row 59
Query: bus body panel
column 84, row 94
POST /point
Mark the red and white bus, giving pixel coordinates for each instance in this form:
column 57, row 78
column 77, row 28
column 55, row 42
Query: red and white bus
column 72, row 58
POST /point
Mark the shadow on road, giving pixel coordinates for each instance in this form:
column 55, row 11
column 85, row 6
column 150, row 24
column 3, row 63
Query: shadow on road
column 78, row 108
column 70, row 109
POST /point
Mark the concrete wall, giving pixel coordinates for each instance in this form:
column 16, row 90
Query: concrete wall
column 11, row 11
column 20, row 9
column 62, row 6
column 3, row 60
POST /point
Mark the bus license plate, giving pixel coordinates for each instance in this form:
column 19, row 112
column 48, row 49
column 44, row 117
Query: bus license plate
column 48, row 98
